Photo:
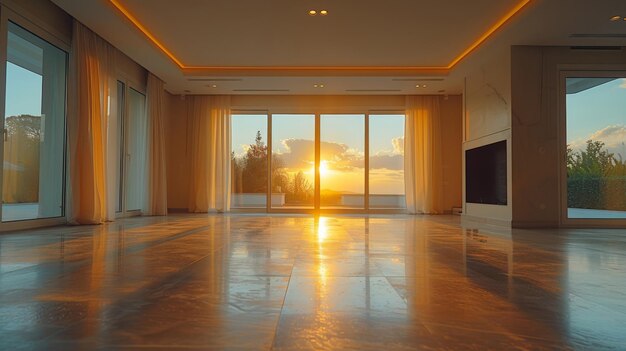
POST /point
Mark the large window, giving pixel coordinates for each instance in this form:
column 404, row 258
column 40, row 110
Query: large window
column 596, row 146
column 33, row 174
column 386, row 161
column 132, row 124
column 342, row 163
column 249, row 161
column 318, row 161
column 293, row 161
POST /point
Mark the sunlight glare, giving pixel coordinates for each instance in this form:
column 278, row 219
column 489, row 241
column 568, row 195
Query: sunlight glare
column 323, row 168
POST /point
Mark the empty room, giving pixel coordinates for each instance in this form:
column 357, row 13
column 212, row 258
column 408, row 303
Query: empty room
column 313, row 175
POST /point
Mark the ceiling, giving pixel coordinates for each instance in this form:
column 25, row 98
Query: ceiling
column 359, row 47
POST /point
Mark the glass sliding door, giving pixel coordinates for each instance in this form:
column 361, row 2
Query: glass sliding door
column 131, row 136
column 121, row 112
column 342, row 161
column 33, row 177
column 386, row 161
column 293, row 161
column 249, row 166
column 137, row 125
column 596, row 146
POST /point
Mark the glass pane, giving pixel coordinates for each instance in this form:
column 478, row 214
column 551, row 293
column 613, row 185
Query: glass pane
column 119, row 178
column 34, row 121
column 342, row 165
column 293, row 160
column 136, row 150
column 596, row 147
column 249, row 161
column 386, row 161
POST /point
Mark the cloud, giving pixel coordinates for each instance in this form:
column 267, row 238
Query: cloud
column 243, row 148
column 300, row 154
column 613, row 137
column 398, row 145
column 387, row 161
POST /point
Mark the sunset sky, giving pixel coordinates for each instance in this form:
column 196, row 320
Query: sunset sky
column 342, row 148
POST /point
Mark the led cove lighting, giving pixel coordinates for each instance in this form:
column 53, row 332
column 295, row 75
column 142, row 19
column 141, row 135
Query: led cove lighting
column 482, row 38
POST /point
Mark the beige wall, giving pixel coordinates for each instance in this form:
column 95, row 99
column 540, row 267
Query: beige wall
column 451, row 154
column 487, row 120
column 536, row 126
column 178, row 153
column 44, row 15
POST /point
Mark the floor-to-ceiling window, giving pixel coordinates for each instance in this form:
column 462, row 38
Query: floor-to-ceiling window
column 386, row 161
column 249, row 161
column 131, row 148
column 342, row 161
column 33, row 148
column 293, row 161
column 120, row 149
column 318, row 161
column 595, row 119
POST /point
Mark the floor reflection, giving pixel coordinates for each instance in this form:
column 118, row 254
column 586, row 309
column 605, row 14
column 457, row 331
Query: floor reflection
column 317, row 283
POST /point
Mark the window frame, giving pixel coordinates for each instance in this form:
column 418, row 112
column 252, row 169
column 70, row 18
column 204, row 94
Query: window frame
column 8, row 15
column 582, row 71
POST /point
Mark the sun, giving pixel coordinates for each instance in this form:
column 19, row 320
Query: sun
column 323, row 168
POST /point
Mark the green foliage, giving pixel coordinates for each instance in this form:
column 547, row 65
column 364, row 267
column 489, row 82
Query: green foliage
column 596, row 179
column 254, row 171
column 249, row 174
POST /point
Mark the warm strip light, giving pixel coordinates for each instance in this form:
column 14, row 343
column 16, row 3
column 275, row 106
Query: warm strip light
column 145, row 31
column 489, row 32
column 458, row 59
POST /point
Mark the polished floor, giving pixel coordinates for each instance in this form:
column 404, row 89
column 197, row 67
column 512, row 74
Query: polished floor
column 261, row 282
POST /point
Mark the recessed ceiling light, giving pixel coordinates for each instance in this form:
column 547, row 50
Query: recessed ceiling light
column 314, row 85
column 417, row 86
column 424, row 86
column 213, row 86
column 616, row 18
column 321, row 85
column 323, row 12
column 312, row 12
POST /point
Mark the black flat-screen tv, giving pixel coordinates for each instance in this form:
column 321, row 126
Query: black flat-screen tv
column 485, row 174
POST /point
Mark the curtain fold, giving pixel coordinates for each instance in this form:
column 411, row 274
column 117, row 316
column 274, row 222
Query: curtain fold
column 209, row 182
column 92, row 64
column 156, row 192
column 422, row 155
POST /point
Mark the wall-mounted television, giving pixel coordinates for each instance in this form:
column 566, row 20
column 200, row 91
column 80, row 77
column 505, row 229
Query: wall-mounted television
column 485, row 174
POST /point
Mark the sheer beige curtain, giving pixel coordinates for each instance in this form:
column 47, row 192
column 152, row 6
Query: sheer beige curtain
column 209, row 142
column 92, row 65
column 156, row 193
column 422, row 155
